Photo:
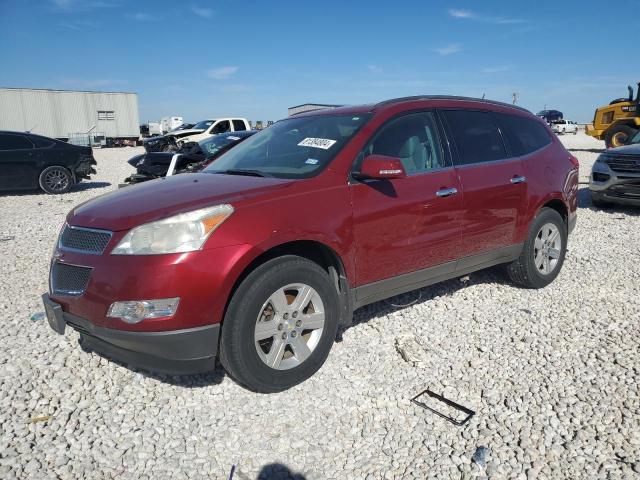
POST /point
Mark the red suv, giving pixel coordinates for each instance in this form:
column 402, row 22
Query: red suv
column 260, row 257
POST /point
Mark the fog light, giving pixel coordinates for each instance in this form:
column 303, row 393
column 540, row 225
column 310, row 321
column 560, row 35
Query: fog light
column 135, row 311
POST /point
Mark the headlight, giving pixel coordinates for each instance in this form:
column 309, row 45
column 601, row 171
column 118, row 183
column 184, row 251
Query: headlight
column 185, row 232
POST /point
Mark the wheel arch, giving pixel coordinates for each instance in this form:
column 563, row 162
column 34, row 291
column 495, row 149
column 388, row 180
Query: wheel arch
column 557, row 205
column 315, row 251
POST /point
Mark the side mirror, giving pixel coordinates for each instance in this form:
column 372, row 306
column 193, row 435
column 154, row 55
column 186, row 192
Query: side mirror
column 381, row 167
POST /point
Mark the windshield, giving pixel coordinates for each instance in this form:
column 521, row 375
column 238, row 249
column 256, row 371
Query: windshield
column 292, row 148
column 203, row 125
column 636, row 138
column 213, row 145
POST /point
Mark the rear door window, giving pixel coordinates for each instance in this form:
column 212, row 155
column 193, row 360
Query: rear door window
column 524, row 135
column 475, row 135
column 14, row 142
column 238, row 125
column 221, row 127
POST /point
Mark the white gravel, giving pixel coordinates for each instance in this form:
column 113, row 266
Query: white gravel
column 552, row 374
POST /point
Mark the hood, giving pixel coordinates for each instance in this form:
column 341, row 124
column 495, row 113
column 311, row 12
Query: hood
column 145, row 202
column 633, row 149
column 184, row 133
column 153, row 139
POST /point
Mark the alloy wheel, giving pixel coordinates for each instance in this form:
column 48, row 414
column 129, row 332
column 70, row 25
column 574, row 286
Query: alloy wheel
column 547, row 248
column 56, row 180
column 289, row 326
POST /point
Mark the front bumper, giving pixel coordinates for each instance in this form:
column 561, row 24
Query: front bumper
column 614, row 187
column 186, row 351
column 592, row 132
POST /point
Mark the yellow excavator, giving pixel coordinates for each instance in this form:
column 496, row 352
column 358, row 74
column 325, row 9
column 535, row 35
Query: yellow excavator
column 618, row 122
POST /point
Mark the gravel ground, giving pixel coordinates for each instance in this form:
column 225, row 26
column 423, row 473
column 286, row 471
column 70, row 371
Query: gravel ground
column 552, row 375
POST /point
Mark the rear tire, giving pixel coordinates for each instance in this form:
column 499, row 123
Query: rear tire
column 264, row 344
column 55, row 180
column 619, row 135
column 543, row 253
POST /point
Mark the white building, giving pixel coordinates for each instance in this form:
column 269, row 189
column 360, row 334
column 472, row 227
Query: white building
column 59, row 113
column 308, row 107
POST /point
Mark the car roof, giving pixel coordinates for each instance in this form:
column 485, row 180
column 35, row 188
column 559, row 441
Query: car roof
column 376, row 107
column 13, row 132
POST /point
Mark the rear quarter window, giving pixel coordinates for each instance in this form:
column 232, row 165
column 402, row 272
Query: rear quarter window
column 42, row 142
column 238, row 125
column 524, row 135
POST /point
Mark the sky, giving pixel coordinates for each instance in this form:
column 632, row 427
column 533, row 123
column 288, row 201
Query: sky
column 206, row 59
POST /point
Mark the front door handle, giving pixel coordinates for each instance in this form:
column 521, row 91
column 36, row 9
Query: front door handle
column 518, row 179
column 446, row 192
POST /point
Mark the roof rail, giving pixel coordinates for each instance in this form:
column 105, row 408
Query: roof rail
column 447, row 97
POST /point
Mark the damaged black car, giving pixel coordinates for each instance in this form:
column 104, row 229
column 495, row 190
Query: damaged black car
column 190, row 157
column 29, row 161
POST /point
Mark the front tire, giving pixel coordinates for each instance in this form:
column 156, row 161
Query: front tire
column 280, row 325
column 619, row 135
column 55, row 180
column 543, row 253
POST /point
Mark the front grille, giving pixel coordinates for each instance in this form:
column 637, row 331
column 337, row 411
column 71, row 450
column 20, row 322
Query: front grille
column 628, row 190
column 624, row 163
column 85, row 240
column 69, row 279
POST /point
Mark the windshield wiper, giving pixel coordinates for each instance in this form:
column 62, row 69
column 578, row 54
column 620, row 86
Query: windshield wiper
column 248, row 173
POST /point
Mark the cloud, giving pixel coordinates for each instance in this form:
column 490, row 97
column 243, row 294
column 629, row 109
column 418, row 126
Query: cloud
column 448, row 49
column 202, row 11
column 374, row 69
column 499, row 69
column 222, row 73
column 461, row 13
column 469, row 15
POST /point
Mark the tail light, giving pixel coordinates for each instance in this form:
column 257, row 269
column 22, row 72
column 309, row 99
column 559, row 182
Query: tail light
column 574, row 161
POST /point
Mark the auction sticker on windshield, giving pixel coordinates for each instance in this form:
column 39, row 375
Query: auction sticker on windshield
column 323, row 143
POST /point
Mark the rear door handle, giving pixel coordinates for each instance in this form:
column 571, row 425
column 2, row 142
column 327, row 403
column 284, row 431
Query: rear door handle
column 518, row 179
column 446, row 192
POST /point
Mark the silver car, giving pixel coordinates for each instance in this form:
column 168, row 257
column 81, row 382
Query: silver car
column 615, row 176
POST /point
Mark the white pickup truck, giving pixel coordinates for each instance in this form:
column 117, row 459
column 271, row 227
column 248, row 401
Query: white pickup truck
column 564, row 126
column 206, row 128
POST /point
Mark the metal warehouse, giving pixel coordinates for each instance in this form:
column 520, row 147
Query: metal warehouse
column 308, row 107
column 62, row 113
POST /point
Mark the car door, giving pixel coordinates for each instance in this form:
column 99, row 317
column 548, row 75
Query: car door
column 406, row 225
column 17, row 162
column 493, row 185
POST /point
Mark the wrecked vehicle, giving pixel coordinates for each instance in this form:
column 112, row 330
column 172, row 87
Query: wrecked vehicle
column 191, row 157
column 30, row 161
